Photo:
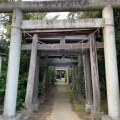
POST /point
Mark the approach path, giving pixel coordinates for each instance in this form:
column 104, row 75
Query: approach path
column 57, row 106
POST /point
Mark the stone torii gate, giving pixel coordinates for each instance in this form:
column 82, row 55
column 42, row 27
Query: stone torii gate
column 107, row 23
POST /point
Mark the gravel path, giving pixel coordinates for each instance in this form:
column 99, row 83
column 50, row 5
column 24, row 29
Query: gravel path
column 62, row 109
column 57, row 105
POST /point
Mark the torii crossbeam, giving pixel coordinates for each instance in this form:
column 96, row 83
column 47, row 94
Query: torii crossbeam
column 58, row 5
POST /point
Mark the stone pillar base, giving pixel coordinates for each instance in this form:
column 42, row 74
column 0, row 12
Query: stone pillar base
column 88, row 108
column 35, row 107
column 96, row 115
column 17, row 117
column 106, row 117
column 27, row 114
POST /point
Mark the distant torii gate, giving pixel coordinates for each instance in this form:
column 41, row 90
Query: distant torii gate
column 107, row 23
column 65, row 69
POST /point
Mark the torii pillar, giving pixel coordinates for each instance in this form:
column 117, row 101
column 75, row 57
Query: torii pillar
column 88, row 81
column 73, row 77
column 96, row 113
column 67, row 72
column 31, row 75
column 36, row 82
column 76, row 82
column 111, row 65
column 79, row 74
column 9, row 111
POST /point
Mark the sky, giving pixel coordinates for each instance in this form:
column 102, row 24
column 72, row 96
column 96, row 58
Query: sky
column 62, row 15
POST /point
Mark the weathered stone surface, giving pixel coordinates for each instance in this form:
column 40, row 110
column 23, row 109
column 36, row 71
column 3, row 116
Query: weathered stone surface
column 13, row 65
column 67, row 46
column 88, row 108
column 35, row 106
column 95, row 74
column 112, row 80
column 27, row 114
column 88, row 81
column 17, row 117
column 31, row 74
column 96, row 115
column 61, row 24
column 58, row 5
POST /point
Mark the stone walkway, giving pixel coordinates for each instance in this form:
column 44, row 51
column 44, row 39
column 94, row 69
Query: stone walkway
column 57, row 107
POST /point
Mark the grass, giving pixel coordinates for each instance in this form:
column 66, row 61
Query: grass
column 76, row 104
column 80, row 106
column 104, row 106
